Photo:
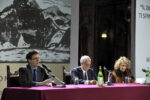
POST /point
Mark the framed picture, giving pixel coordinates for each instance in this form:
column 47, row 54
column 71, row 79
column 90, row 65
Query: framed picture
column 43, row 25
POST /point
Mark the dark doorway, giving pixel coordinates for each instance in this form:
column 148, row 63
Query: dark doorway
column 105, row 32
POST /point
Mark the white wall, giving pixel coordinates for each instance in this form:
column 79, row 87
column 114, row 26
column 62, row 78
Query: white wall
column 74, row 33
column 142, row 37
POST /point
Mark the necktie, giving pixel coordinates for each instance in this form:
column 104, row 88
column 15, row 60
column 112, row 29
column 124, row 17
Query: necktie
column 34, row 74
column 85, row 76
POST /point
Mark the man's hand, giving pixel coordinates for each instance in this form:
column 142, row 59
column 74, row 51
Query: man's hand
column 47, row 82
column 92, row 82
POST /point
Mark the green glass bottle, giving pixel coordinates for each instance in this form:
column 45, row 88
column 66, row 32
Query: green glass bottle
column 148, row 76
column 100, row 78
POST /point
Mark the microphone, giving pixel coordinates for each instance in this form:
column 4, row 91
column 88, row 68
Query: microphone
column 53, row 76
column 43, row 65
column 144, row 70
column 107, row 69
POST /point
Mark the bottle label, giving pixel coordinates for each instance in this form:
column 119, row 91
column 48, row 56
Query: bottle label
column 100, row 81
column 148, row 79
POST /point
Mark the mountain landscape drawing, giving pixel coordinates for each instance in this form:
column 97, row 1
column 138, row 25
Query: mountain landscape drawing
column 24, row 25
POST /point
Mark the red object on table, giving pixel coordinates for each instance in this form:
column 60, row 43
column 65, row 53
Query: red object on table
column 79, row 92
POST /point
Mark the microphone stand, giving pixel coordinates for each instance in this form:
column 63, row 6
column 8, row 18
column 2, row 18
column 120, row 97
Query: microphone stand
column 109, row 73
column 54, row 77
column 61, row 82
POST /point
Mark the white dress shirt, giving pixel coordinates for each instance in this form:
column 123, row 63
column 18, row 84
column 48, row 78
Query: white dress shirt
column 86, row 82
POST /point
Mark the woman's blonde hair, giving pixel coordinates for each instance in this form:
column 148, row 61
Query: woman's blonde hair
column 122, row 60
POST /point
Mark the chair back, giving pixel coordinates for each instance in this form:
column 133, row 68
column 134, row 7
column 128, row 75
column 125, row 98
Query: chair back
column 12, row 78
column 66, row 76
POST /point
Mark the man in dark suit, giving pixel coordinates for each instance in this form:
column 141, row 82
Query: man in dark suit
column 84, row 74
column 32, row 74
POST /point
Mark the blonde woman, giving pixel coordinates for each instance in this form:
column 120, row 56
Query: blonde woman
column 122, row 71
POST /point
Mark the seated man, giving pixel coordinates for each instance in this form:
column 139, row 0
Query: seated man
column 84, row 73
column 32, row 74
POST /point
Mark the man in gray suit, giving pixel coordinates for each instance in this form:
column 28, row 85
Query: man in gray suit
column 84, row 74
column 32, row 74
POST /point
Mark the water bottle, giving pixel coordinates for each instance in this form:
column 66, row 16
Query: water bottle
column 100, row 78
column 148, row 76
column 127, row 79
column 76, row 81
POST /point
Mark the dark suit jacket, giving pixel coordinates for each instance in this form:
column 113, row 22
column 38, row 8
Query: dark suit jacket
column 77, row 72
column 25, row 76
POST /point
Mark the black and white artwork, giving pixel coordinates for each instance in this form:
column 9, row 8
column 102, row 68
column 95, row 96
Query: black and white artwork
column 43, row 25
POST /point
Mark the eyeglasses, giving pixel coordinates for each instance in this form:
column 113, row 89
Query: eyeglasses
column 36, row 58
column 87, row 65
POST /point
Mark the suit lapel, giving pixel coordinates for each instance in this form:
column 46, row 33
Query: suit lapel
column 89, row 74
column 29, row 72
column 38, row 74
column 80, row 72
